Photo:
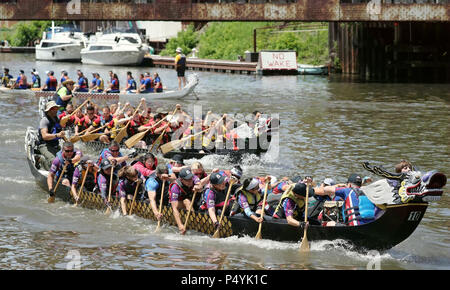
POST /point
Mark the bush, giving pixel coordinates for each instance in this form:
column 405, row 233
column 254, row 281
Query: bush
column 186, row 39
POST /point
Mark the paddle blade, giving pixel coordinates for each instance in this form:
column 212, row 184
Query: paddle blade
column 216, row 234
column 74, row 139
column 158, row 227
column 258, row 234
column 64, row 120
column 90, row 137
column 51, row 199
column 173, row 145
column 133, row 140
column 122, row 134
column 304, row 246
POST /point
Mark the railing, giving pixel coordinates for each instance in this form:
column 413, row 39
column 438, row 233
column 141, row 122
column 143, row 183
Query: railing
column 397, row 1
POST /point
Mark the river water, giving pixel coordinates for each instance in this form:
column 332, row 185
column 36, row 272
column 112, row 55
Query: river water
column 328, row 127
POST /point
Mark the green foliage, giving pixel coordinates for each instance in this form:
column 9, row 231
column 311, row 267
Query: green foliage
column 228, row 40
column 186, row 39
column 25, row 32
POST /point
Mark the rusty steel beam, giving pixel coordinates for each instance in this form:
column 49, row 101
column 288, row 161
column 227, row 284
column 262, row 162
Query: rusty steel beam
column 186, row 10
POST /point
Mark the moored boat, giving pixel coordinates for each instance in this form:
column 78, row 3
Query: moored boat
column 306, row 69
column 393, row 224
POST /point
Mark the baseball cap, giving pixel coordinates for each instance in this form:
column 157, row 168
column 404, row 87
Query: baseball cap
column 216, row 178
column 106, row 164
column 355, row 179
column 186, row 173
column 50, row 105
column 329, row 181
column 300, row 189
column 253, row 183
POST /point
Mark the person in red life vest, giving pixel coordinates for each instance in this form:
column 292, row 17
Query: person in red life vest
column 82, row 83
column 180, row 194
column 69, row 110
column 89, row 122
column 114, row 86
column 21, row 81
column 68, row 156
column 51, row 83
column 146, row 164
column 79, row 173
column 158, row 86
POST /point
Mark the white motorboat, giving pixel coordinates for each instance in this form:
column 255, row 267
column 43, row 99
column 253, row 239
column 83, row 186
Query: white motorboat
column 61, row 43
column 115, row 48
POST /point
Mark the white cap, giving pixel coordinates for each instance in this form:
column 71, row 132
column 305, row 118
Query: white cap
column 178, row 49
column 254, row 183
column 273, row 180
column 329, row 181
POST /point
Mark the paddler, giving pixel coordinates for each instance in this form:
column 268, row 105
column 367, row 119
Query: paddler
column 51, row 83
column 50, row 132
column 153, row 187
column 104, row 178
column 68, row 157
column 35, row 79
column 6, row 77
column 79, row 173
column 82, row 83
column 21, row 81
column 64, row 95
column 129, row 180
column 180, row 194
column 292, row 204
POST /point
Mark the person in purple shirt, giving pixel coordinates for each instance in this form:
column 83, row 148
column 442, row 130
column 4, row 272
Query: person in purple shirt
column 66, row 157
column 104, row 180
column 79, row 173
column 129, row 180
column 180, row 194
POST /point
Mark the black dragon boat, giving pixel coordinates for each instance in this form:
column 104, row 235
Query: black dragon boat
column 394, row 222
column 261, row 143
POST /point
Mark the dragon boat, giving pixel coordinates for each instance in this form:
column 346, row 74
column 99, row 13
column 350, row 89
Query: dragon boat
column 395, row 221
column 191, row 82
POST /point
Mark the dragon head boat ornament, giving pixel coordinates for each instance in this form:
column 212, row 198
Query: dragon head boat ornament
column 413, row 186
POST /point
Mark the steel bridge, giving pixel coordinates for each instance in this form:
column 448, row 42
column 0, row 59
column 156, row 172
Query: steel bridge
column 229, row 10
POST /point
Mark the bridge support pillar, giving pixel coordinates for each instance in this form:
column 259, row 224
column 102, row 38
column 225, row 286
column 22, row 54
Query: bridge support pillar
column 392, row 51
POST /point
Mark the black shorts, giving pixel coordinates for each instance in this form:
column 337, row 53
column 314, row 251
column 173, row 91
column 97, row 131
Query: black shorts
column 180, row 72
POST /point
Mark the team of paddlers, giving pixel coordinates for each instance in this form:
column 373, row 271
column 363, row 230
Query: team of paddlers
column 114, row 174
column 146, row 84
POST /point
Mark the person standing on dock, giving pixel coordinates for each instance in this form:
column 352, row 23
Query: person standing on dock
column 180, row 67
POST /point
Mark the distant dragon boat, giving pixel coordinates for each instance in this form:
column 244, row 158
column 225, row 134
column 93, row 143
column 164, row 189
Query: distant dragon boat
column 394, row 223
column 192, row 82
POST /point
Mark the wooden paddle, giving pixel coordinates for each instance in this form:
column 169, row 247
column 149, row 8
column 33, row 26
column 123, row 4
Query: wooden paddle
column 158, row 140
column 304, row 246
column 64, row 119
column 82, row 183
column 89, row 136
column 134, row 197
column 160, row 206
column 108, row 210
column 216, row 233
column 76, row 138
column 178, row 143
column 258, row 234
column 189, row 212
column 51, row 199
column 123, row 131
column 130, row 142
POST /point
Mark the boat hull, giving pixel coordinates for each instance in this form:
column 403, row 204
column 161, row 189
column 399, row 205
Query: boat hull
column 70, row 52
column 112, row 57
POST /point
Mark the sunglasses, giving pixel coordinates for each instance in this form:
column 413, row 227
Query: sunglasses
column 68, row 151
column 114, row 150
